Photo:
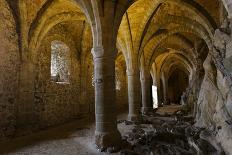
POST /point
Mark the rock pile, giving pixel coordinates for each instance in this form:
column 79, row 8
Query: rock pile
column 162, row 135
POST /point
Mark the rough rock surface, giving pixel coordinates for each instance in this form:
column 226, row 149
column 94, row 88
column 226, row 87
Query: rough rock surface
column 215, row 99
column 167, row 135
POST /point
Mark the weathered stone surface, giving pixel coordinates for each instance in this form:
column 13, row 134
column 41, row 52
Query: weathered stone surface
column 215, row 98
column 169, row 137
column 9, row 68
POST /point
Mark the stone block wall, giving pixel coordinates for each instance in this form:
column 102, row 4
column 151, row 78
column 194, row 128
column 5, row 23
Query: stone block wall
column 87, row 102
column 9, row 67
column 50, row 103
column 55, row 102
column 121, row 87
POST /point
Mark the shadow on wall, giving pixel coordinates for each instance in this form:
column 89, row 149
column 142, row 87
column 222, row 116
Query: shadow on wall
column 9, row 68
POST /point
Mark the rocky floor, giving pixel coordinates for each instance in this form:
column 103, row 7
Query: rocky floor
column 166, row 132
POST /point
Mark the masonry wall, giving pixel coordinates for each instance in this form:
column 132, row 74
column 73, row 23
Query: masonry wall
column 87, row 103
column 9, row 66
column 55, row 102
column 121, row 87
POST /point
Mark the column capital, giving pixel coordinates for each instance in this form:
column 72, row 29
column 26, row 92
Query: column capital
column 145, row 74
column 97, row 52
column 132, row 72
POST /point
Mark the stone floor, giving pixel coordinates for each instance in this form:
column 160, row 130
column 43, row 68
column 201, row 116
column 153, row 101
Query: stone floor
column 76, row 138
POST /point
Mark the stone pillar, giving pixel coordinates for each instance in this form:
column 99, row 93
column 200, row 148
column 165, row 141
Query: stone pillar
column 159, row 93
column 134, row 95
column 146, row 92
column 106, row 132
column 165, row 88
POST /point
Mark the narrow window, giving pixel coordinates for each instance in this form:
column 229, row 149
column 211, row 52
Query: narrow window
column 154, row 97
column 60, row 61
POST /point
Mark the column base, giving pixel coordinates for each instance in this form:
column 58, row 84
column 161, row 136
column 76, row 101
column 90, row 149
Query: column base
column 134, row 118
column 110, row 141
column 146, row 110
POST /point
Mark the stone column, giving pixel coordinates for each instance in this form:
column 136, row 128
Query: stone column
column 165, row 87
column 106, row 132
column 134, row 95
column 146, row 92
column 159, row 93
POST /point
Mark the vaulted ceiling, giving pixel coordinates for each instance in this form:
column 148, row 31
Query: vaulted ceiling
column 149, row 28
column 156, row 29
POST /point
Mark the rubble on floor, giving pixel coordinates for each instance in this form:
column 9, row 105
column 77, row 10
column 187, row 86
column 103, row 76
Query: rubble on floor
column 168, row 135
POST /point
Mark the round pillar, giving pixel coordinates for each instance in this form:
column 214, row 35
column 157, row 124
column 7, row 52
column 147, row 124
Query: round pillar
column 134, row 95
column 146, row 93
column 106, row 132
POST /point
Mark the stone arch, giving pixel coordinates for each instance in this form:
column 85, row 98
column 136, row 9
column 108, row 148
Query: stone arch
column 179, row 47
column 167, row 61
column 177, row 59
column 152, row 45
column 121, row 47
column 125, row 43
column 152, row 10
column 180, row 58
column 49, row 17
column 180, row 66
column 37, row 34
column 87, row 73
column 107, row 21
column 157, row 39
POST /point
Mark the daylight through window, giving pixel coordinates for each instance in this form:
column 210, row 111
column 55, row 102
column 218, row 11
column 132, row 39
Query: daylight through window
column 60, row 61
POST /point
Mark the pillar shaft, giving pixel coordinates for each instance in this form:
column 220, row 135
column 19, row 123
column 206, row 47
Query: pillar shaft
column 146, row 93
column 159, row 93
column 106, row 133
column 134, row 95
column 165, row 90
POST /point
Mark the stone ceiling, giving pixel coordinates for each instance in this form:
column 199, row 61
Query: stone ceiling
column 148, row 28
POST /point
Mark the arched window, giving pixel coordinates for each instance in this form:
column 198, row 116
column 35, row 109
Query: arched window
column 60, row 61
column 117, row 79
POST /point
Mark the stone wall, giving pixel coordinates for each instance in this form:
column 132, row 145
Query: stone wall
column 55, row 102
column 87, row 104
column 9, row 66
column 121, row 89
column 214, row 107
column 121, row 83
column 30, row 99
